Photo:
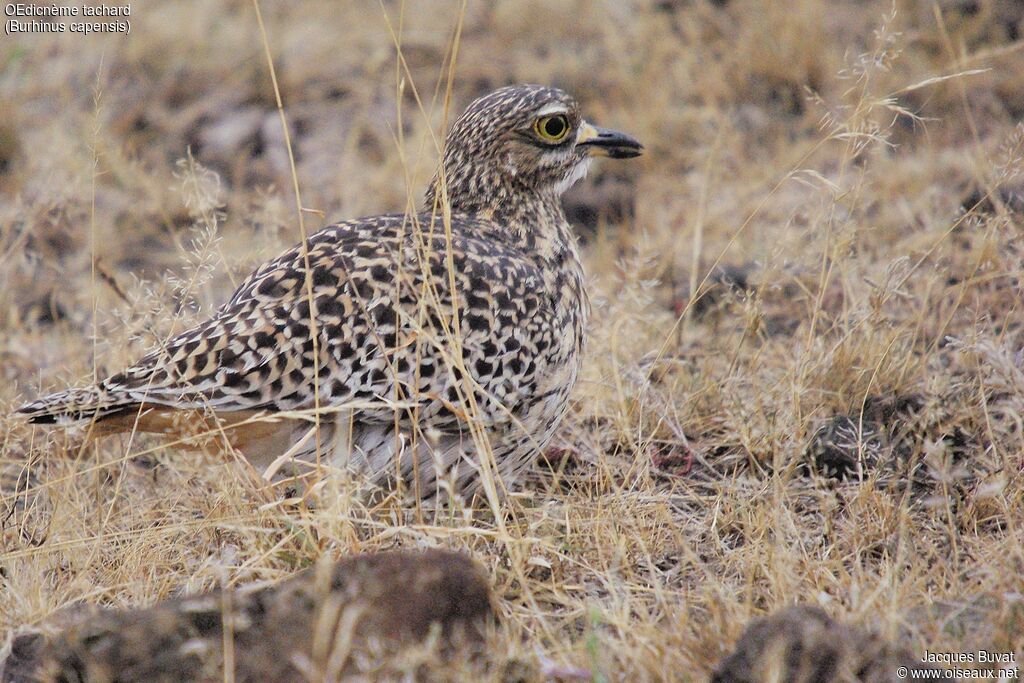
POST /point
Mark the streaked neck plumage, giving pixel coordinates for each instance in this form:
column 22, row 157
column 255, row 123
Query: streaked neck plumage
column 534, row 219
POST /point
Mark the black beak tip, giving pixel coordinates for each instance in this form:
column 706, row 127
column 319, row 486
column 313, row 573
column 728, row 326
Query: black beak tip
column 616, row 145
column 626, row 151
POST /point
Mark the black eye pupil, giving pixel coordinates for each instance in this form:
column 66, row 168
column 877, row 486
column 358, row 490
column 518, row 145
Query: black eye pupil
column 555, row 126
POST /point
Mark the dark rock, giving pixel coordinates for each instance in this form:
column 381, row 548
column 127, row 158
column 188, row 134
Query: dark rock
column 326, row 623
column 1010, row 196
column 852, row 446
column 725, row 279
column 845, row 448
column 10, row 148
column 803, row 644
column 672, row 459
column 605, row 198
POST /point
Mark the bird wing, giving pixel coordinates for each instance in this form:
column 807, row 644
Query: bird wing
column 383, row 302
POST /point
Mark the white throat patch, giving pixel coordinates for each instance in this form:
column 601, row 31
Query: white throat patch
column 578, row 172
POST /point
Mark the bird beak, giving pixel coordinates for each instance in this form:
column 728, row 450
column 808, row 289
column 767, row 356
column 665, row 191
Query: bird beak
column 608, row 143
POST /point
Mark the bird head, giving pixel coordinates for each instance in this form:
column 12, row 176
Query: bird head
column 522, row 139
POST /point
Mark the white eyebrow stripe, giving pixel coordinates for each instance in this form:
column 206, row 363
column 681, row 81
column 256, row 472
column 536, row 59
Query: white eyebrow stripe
column 550, row 109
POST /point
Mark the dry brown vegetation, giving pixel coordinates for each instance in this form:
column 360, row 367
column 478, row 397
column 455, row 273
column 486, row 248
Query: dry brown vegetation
column 835, row 419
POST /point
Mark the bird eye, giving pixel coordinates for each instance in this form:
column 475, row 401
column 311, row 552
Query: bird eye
column 552, row 128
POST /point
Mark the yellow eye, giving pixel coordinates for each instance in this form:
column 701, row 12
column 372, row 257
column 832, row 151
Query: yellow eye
column 552, row 128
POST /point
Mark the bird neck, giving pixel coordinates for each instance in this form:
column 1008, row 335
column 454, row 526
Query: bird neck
column 470, row 190
column 532, row 220
column 537, row 224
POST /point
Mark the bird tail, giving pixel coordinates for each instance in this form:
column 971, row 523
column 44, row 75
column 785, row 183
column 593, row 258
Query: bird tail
column 68, row 407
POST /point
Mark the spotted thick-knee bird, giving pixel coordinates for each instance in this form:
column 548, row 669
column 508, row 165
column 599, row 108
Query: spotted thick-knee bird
column 424, row 339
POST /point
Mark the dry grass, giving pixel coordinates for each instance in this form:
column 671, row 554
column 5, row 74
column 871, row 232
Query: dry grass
column 857, row 170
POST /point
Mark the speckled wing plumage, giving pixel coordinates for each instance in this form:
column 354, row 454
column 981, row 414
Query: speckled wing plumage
column 377, row 287
column 383, row 297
